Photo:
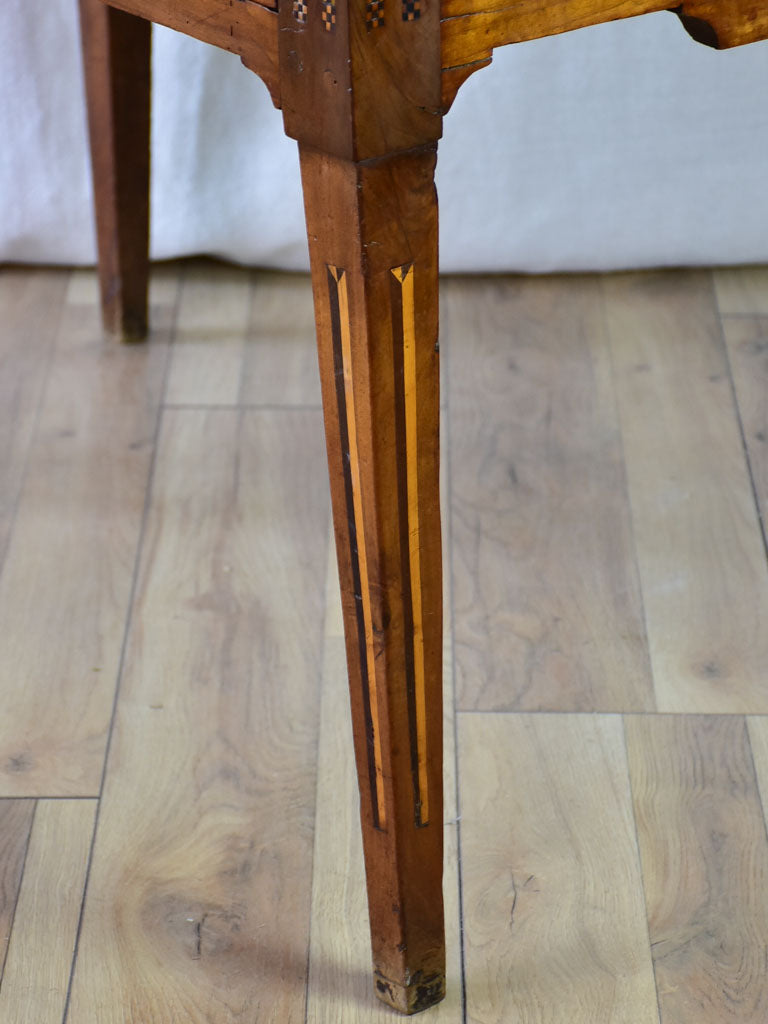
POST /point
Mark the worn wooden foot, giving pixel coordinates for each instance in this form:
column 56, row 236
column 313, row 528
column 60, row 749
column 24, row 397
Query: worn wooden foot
column 116, row 53
column 422, row 992
column 373, row 246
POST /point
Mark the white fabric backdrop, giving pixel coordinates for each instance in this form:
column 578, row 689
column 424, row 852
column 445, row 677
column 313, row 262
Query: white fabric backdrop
column 618, row 146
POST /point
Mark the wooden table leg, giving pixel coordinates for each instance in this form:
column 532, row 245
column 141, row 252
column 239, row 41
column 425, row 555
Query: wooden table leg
column 116, row 55
column 373, row 246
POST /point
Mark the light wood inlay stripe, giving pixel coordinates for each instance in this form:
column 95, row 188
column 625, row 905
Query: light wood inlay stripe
column 359, row 555
column 405, row 277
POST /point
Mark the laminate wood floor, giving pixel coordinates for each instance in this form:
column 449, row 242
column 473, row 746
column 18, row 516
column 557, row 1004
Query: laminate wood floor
column 178, row 820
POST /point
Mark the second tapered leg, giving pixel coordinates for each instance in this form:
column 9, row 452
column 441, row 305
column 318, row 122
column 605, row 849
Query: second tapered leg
column 116, row 58
column 373, row 244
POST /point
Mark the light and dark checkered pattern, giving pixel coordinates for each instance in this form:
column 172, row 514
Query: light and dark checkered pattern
column 300, row 11
column 411, row 10
column 329, row 15
column 374, row 14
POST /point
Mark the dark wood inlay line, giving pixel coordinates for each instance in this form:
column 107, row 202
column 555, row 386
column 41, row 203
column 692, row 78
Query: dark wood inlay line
column 335, row 277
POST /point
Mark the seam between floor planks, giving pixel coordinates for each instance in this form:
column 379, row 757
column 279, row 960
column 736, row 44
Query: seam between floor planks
column 739, row 418
column 633, row 543
column 18, row 888
column 642, row 871
column 445, row 465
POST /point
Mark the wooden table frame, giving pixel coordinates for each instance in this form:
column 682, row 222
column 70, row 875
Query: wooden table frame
column 363, row 86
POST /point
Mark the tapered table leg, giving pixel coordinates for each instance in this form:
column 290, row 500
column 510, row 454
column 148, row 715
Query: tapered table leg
column 116, row 55
column 373, row 244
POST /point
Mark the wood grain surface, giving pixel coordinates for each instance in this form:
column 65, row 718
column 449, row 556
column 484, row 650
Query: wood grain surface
column 757, row 727
column 548, row 607
column 746, row 339
column 37, row 968
column 554, row 918
column 705, row 866
column 222, row 888
column 66, row 582
column 280, row 362
column 199, row 895
column 243, row 339
column 696, row 527
column 742, row 291
column 211, row 335
column 15, row 825
column 361, row 87
column 31, row 303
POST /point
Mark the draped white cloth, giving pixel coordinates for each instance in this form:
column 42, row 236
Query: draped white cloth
column 624, row 145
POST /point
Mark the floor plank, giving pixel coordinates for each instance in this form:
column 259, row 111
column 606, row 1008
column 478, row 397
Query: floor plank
column 555, row 926
column 548, row 609
column 280, row 359
column 31, row 303
column 83, row 287
column 746, row 339
column 199, row 897
column 705, row 866
column 757, row 727
column 700, row 552
column 742, row 290
column 66, row 582
column 201, row 893
column 40, row 952
column 211, row 334
column 15, row 825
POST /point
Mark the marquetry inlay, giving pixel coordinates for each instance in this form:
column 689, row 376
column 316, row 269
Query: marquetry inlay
column 342, row 358
column 407, row 432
